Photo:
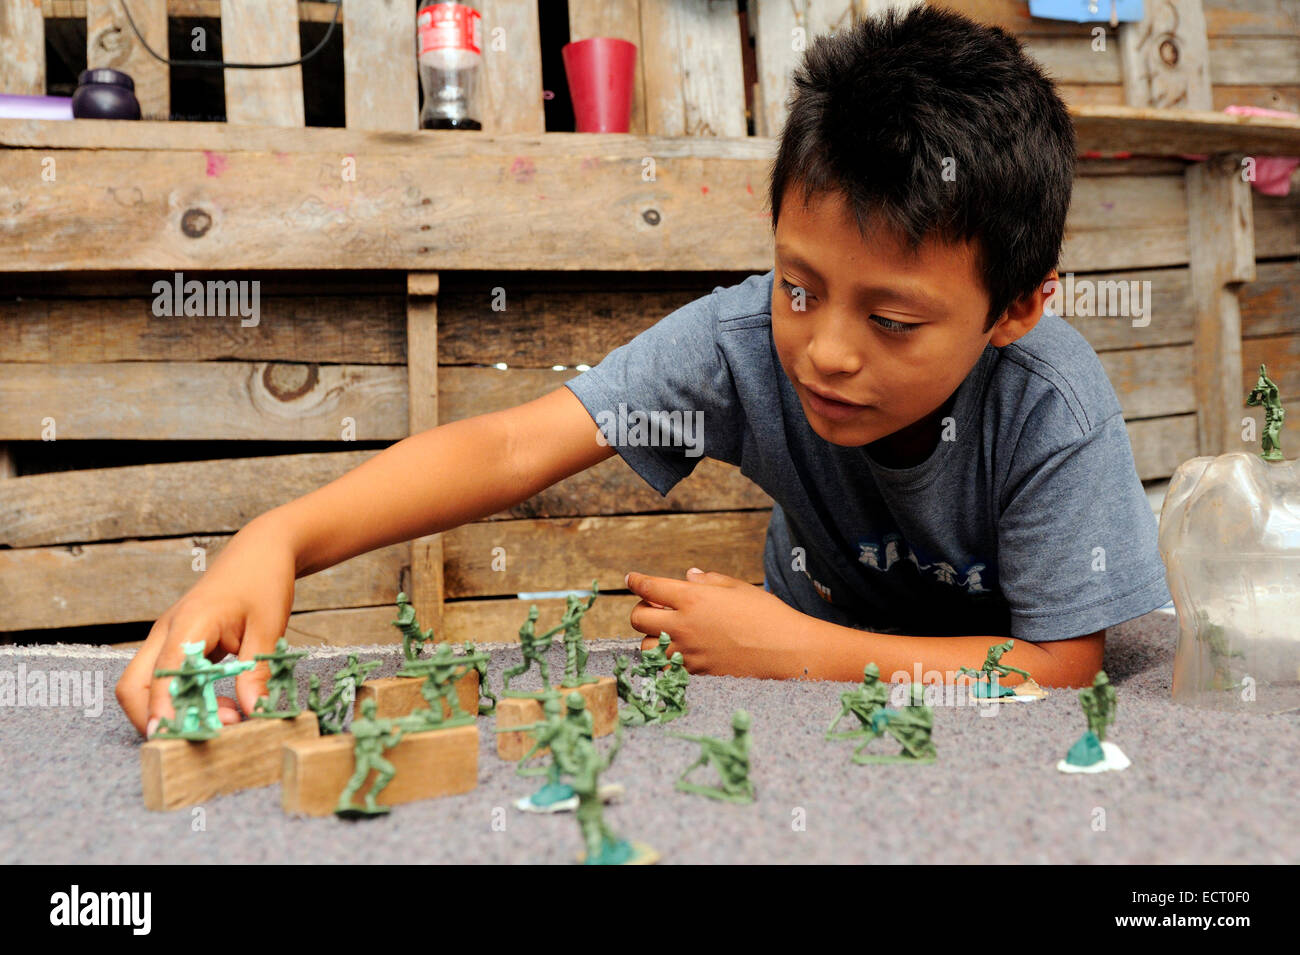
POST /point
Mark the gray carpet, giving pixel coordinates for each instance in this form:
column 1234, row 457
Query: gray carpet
column 1204, row 786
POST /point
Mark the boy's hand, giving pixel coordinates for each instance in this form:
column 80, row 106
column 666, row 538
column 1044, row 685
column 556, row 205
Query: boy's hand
column 719, row 624
column 240, row 605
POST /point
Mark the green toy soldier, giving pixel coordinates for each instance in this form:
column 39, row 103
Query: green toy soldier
column 1092, row 753
column 371, row 737
column 194, row 698
column 441, row 672
column 911, row 726
column 575, row 651
column 637, row 713
column 984, row 687
column 1220, row 653
column 413, row 638
column 604, row 846
column 1266, row 394
column 282, row 680
column 863, row 702
column 534, row 648
column 348, row 679
column 654, row 659
column 670, row 688
column 547, row 733
column 334, row 710
column 1098, row 703
column 326, row 713
column 484, row 690
column 731, row 757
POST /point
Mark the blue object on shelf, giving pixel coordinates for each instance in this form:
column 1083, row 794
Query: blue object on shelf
column 1086, row 11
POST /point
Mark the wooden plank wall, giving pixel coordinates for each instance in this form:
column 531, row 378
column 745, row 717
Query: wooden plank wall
column 397, row 352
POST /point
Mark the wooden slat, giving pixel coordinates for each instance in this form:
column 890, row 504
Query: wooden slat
column 567, row 554
column 1164, row 57
column 427, row 765
column 1124, row 222
column 412, row 211
column 694, row 80
column 22, row 47
column 331, row 329
column 426, row 581
column 479, row 621
column 510, row 84
column 1277, row 225
column 262, row 31
column 380, row 78
column 1222, row 17
column 220, row 496
column 202, row 400
column 1270, row 305
column 1161, row 444
column 1109, row 128
column 240, row 216
column 498, row 621
column 1250, row 60
column 110, row 42
column 1223, row 254
column 308, row 10
column 43, row 587
column 159, row 500
column 304, row 285
column 1169, row 311
column 620, row 19
column 778, row 49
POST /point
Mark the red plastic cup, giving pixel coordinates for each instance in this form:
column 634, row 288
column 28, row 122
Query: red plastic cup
column 600, row 71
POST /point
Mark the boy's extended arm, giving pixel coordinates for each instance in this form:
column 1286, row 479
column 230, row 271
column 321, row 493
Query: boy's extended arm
column 728, row 627
column 842, row 652
column 424, row 484
column 442, row 478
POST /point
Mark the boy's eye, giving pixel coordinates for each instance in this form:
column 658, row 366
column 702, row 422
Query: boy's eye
column 790, row 288
column 888, row 324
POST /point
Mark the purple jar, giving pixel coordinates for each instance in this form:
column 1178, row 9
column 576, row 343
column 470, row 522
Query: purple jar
column 105, row 94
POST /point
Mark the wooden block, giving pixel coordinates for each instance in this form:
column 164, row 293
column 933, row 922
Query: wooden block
column 400, row 695
column 602, row 702
column 429, row 764
column 176, row 772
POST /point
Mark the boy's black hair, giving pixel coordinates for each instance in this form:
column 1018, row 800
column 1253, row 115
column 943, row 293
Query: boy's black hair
column 878, row 107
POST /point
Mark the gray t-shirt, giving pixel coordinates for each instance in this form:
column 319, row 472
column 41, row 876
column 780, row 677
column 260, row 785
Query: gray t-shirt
column 1031, row 523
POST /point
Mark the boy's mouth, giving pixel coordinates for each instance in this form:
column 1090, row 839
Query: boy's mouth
column 834, row 408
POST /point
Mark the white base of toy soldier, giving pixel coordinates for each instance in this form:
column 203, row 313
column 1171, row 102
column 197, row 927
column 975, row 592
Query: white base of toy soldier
column 176, row 772
column 602, row 704
column 427, row 765
column 608, row 793
column 1026, row 692
column 1091, row 757
column 396, row 696
column 637, row 853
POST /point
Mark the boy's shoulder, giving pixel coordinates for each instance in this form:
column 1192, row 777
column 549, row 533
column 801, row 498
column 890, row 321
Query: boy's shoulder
column 1053, row 376
column 748, row 299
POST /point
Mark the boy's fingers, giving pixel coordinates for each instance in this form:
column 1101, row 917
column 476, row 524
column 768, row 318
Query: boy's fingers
column 711, row 577
column 259, row 637
column 227, row 710
column 651, row 620
column 133, row 686
column 664, row 592
column 171, row 656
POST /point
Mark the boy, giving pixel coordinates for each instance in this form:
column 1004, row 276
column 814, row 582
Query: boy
column 949, row 465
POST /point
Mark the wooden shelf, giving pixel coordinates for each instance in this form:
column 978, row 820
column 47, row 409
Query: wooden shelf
column 153, row 195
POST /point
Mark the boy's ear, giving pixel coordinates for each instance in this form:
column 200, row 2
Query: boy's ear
column 1022, row 315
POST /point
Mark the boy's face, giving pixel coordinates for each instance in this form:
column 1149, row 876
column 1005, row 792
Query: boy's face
column 890, row 334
